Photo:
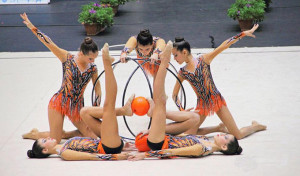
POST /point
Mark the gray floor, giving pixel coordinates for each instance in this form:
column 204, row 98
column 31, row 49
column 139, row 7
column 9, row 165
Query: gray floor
column 195, row 20
column 258, row 84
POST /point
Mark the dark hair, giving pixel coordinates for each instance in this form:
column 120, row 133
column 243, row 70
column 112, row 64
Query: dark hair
column 37, row 151
column 180, row 44
column 88, row 45
column 145, row 37
column 233, row 148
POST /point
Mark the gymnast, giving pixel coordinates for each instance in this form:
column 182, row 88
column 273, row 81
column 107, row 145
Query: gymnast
column 108, row 147
column 209, row 99
column 78, row 70
column 146, row 47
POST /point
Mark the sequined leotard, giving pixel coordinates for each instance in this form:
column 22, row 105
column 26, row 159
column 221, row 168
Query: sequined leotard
column 150, row 69
column 209, row 99
column 81, row 144
column 69, row 99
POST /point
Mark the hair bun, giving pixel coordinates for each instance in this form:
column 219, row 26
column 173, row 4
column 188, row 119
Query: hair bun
column 179, row 39
column 30, row 154
column 145, row 32
column 239, row 150
column 88, row 40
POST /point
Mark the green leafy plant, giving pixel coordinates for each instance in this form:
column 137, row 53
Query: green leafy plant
column 93, row 13
column 111, row 3
column 247, row 10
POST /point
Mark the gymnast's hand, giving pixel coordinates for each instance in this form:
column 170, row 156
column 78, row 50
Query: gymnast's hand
column 251, row 31
column 123, row 58
column 136, row 156
column 26, row 20
column 154, row 58
column 145, row 132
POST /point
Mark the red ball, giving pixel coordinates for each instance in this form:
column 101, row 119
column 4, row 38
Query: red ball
column 140, row 106
column 141, row 143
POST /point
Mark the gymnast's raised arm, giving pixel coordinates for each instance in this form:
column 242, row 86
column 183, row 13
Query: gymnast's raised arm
column 227, row 43
column 58, row 52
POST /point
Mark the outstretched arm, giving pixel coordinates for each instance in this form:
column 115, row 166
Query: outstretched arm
column 58, row 52
column 129, row 46
column 72, row 155
column 227, row 43
column 192, row 151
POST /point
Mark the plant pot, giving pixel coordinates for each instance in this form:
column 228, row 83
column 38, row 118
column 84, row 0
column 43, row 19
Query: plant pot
column 93, row 29
column 245, row 24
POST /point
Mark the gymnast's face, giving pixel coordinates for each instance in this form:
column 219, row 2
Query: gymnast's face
column 178, row 56
column 89, row 58
column 47, row 143
column 223, row 139
column 145, row 49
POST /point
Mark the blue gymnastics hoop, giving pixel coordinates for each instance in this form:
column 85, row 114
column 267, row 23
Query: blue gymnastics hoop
column 150, row 88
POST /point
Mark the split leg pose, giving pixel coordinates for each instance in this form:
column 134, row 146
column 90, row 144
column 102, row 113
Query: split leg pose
column 209, row 99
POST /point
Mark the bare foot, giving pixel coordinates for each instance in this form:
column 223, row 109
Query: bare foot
column 222, row 128
column 31, row 135
column 105, row 53
column 127, row 107
column 151, row 103
column 258, row 126
column 165, row 56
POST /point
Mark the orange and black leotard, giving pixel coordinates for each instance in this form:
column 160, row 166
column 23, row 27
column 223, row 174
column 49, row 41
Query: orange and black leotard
column 209, row 99
column 89, row 145
column 174, row 142
column 150, row 69
column 69, row 99
column 81, row 144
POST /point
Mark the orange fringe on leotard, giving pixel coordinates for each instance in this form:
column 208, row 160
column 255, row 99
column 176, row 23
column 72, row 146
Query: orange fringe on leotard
column 65, row 109
column 218, row 102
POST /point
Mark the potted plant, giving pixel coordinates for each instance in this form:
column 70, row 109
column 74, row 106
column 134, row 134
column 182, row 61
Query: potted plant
column 114, row 4
column 247, row 12
column 95, row 18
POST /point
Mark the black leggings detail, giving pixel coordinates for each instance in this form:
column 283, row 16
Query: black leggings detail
column 155, row 146
column 116, row 150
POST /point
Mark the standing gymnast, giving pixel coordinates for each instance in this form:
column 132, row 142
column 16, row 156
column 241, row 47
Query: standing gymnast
column 110, row 145
column 146, row 47
column 163, row 145
column 77, row 72
column 209, row 99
